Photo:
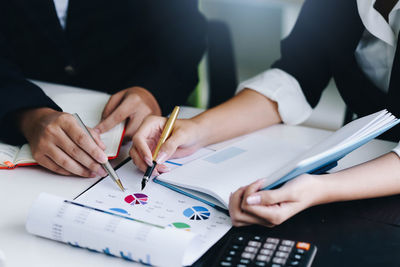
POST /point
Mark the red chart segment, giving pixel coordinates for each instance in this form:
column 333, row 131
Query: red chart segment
column 137, row 199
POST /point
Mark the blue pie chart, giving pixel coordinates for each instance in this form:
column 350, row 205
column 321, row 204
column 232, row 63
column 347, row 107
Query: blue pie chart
column 197, row 213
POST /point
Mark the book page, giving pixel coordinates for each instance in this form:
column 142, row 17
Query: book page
column 89, row 106
column 222, row 172
column 161, row 206
column 7, row 153
column 54, row 218
column 24, row 155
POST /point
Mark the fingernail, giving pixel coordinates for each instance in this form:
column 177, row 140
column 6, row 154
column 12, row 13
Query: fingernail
column 103, row 158
column 93, row 175
column 161, row 157
column 97, row 130
column 163, row 168
column 253, row 200
column 102, row 172
column 149, row 161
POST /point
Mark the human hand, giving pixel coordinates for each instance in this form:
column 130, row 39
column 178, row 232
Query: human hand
column 248, row 205
column 59, row 144
column 183, row 141
column 133, row 104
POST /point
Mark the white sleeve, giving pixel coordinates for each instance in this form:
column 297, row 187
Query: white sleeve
column 397, row 149
column 284, row 89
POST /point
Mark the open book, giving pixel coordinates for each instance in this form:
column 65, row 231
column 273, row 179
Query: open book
column 213, row 177
column 88, row 104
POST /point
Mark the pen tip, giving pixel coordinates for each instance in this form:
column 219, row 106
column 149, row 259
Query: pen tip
column 120, row 185
column 143, row 184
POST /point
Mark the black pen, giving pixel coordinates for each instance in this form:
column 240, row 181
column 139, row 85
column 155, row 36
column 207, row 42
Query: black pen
column 164, row 136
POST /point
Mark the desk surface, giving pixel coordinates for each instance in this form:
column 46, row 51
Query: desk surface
column 21, row 186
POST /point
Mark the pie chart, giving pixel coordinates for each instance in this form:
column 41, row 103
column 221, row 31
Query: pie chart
column 197, row 213
column 180, row 225
column 137, row 199
column 120, row 210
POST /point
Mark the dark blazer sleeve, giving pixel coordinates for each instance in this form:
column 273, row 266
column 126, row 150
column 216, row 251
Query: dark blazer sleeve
column 17, row 93
column 178, row 35
column 304, row 52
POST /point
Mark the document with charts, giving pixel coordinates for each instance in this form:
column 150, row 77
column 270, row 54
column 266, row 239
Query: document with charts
column 156, row 226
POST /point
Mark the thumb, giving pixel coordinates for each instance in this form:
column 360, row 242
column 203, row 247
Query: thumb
column 269, row 197
column 168, row 148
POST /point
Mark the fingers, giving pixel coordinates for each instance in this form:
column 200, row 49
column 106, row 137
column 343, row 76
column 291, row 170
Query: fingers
column 253, row 195
column 96, row 135
column 48, row 163
column 83, row 141
column 121, row 113
column 77, row 154
column 145, row 140
column 113, row 103
column 238, row 216
column 169, row 147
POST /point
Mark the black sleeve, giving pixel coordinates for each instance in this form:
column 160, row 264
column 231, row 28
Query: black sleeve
column 17, row 93
column 178, row 35
column 304, row 53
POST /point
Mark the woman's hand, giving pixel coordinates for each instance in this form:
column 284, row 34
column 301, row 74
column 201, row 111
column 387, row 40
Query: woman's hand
column 183, row 141
column 248, row 205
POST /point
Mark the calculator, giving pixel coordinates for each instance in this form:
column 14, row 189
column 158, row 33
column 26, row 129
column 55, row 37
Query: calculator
column 244, row 250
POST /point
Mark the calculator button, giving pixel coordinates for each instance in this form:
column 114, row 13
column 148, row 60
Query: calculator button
column 228, row 259
column 279, row 260
column 247, row 255
column 272, row 240
column 288, row 243
column 267, row 252
column 240, row 240
column 241, row 265
column 276, row 265
column 303, row 245
column 285, row 248
column 232, row 253
column 257, row 238
column 260, row 263
column 235, row 247
column 251, row 249
column 224, row 263
column 300, row 251
column 254, row 244
column 263, row 258
column 282, row 254
column 269, row 246
column 294, row 263
column 245, row 261
column 297, row 257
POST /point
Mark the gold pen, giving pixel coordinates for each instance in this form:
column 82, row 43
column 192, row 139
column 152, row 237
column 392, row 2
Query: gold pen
column 107, row 166
column 164, row 136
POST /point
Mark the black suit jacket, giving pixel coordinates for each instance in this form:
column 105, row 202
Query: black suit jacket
column 106, row 46
column 322, row 46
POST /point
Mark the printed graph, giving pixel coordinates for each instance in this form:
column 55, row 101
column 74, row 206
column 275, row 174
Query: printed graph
column 122, row 211
column 197, row 213
column 180, row 225
column 137, row 199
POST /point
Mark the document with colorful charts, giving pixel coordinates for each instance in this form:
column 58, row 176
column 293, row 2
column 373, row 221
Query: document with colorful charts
column 156, row 226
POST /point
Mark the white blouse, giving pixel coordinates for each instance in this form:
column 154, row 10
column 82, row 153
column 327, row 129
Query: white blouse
column 374, row 54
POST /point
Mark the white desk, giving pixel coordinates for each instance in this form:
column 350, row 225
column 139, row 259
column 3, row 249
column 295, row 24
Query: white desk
column 21, row 186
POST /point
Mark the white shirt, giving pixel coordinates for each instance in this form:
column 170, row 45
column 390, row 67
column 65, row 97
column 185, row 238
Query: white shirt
column 374, row 54
column 61, row 9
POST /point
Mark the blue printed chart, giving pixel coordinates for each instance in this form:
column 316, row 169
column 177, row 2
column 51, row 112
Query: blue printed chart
column 122, row 211
column 197, row 213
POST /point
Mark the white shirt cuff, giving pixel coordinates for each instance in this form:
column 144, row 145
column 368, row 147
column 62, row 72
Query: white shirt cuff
column 283, row 88
column 397, row 149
